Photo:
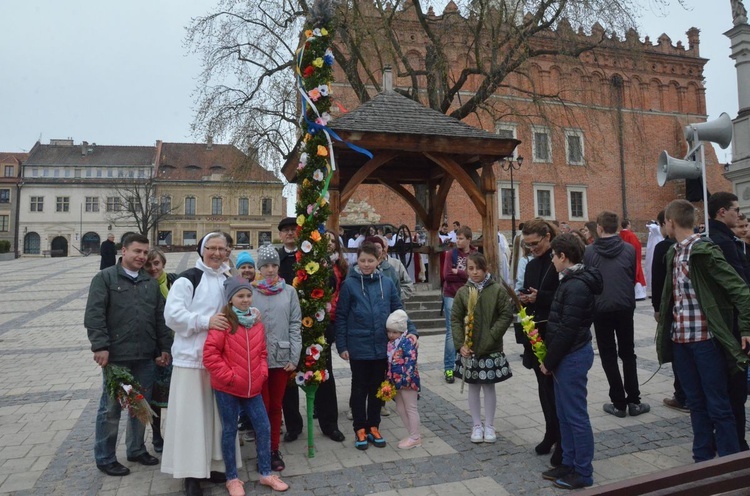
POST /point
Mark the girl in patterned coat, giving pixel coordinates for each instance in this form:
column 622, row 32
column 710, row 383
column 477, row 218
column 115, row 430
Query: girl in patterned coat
column 403, row 372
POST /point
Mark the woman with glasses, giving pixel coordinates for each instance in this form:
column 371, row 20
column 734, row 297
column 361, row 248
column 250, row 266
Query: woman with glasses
column 192, row 441
column 540, row 282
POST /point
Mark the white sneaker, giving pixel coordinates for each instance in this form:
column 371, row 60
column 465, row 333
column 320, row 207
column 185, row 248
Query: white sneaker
column 477, row 434
column 489, row 434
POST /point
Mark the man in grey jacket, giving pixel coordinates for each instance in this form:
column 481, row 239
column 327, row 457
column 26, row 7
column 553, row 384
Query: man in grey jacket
column 613, row 318
column 125, row 324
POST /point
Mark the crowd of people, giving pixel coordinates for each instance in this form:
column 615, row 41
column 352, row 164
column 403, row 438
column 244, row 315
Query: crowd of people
column 218, row 344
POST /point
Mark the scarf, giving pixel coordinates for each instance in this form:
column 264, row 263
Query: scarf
column 163, row 284
column 270, row 286
column 480, row 285
column 247, row 319
column 394, row 345
column 570, row 270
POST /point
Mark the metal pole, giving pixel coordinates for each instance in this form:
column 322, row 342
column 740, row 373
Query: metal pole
column 705, row 187
column 512, row 206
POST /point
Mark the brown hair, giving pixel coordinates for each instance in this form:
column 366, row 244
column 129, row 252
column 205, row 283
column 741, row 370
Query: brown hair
column 682, row 212
column 368, row 248
column 569, row 244
column 478, row 260
column 608, row 220
column 466, row 231
column 341, row 262
column 156, row 252
column 234, row 322
column 540, row 227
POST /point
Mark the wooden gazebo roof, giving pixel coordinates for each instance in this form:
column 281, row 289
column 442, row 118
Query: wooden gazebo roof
column 412, row 144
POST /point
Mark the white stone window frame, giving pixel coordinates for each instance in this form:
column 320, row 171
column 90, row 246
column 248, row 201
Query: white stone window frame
column 578, row 189
column 577, row 133
column 508, row 126
column 506, row 185
column 539, row 130
column 545, row 187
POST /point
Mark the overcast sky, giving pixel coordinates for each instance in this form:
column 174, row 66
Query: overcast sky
column 117, row 73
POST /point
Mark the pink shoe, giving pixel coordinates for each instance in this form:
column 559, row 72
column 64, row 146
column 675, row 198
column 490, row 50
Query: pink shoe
column 409, row 443
column 234, row 487
column 274, row 482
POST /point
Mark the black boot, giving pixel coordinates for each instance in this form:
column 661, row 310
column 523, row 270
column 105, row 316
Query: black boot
column 556, row 458
column 193, row 487
column 545, row 446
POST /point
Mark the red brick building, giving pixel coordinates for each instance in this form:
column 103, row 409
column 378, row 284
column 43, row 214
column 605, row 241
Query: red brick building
column 592, row 146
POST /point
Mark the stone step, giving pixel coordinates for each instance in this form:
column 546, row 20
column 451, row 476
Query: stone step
column 412, row 306
column 424, row 313
column 431, row 331
column 429, row 323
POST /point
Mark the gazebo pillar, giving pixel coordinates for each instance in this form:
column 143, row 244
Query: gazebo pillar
column 334, row 200
column 489, row 219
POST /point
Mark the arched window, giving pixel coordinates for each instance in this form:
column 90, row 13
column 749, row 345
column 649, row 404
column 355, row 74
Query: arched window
column 31, row 243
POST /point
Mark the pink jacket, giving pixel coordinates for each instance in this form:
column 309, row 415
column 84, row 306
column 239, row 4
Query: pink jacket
column 238, row 363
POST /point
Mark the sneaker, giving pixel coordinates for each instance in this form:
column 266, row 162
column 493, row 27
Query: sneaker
column 675, row 405
column 635, row 410
column 409, row 443
column 477, row 434
column 248, row 436
column 234, row 487
column 573, row 480
column 610, row 408
column 375, row 438
column 384, row 412
column 274, row 482
column 489, row 434
column 557, row 472
column 360, row 440
column 349, row 414
column 449, row 377
column 277, row 463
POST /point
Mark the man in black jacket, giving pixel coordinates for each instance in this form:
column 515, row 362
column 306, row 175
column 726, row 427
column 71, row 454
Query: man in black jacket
column 125, row 324
column 724, row 211
column 613, row 320
column 108, row 251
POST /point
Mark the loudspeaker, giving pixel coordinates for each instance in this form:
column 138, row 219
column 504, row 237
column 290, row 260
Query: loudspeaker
column 670, row 168
column 718, row 131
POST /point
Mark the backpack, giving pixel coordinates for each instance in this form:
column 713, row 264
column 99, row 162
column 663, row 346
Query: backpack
column 194, row 275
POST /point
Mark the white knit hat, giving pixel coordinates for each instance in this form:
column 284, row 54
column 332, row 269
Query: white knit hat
column 397, row 321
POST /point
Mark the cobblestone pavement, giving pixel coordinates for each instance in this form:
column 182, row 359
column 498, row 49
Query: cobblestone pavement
column 49, row 390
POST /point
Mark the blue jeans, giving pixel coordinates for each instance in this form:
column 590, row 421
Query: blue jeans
column 577, row 438
column 702, row 368
column 449, row 356
column 229, row 409
column 108, row 416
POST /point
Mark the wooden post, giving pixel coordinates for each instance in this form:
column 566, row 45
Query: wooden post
column 334, row 199
column 434, row 215
column 489, row 219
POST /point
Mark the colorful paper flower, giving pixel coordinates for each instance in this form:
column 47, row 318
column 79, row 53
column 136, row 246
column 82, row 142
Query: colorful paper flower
column 308, row 71
column 306, row 246
column 298, row 256
column 318, row 175
column 322, row 151
column 318, row 376
column 320, row 315
column 318, row 62
column 300, row 220
column 317, row 294
column 309, row 33
column 303, row 158
column 316, row 31
column 307, row 322
column 323, row 89
column 310, row 209
column 315, row 236
column 328, row 57
column 323, row 32
column 300, row 379
column 314, row 94
column 302, row 275
column 312, row 267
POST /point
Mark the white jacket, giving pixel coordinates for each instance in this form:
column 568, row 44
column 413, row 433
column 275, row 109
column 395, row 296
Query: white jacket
column 187, row 313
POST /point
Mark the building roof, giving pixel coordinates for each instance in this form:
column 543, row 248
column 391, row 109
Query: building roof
column 393, row 113
column 91, row 155
column 13, row 157
column 193, row 161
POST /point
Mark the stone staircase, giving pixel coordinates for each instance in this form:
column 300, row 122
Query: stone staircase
column 424, row 311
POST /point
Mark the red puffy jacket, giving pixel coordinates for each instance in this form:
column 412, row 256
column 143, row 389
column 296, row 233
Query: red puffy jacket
column 238, row 363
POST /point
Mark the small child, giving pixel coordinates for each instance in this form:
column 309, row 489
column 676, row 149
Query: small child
column 246, row 266
column 480, row 342
column 237, row 362
column 402, row 370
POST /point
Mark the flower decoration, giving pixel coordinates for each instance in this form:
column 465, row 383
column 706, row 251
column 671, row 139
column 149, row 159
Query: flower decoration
column 314, row 70
column 386, row 391
column 531, row 331
column 123, row 388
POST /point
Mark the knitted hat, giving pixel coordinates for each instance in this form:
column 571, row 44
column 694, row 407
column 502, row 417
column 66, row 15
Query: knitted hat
column 397, row 321
column 244, row 257
column 287, row 222
column 267, row 254
column 233, row 285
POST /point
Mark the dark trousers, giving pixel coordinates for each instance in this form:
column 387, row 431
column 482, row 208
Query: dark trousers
column 546, row 386
column 367, row 375
column 326, row 404
column 290, row 407
column 615, row 335
column 679, row 393
column 737, row 389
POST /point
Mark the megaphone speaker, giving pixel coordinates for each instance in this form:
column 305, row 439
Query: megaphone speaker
column 718, row 131
column 670, row 168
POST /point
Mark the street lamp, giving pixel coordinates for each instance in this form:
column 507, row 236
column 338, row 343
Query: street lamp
column 509, row 165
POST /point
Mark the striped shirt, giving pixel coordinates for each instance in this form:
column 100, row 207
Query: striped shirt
column 689, row 325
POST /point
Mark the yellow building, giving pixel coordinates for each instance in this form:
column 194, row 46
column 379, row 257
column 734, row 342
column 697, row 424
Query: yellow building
column 211, row 187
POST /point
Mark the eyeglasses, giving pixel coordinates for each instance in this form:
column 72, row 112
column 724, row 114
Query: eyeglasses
column 288, row 230
column 534, row 244
column 214, row 249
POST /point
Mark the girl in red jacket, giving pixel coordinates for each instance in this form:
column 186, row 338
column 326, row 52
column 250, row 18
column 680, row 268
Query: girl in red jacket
column 237, row 361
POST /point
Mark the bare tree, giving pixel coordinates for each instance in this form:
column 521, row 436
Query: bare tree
column 135, row 202
column 454, row 62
